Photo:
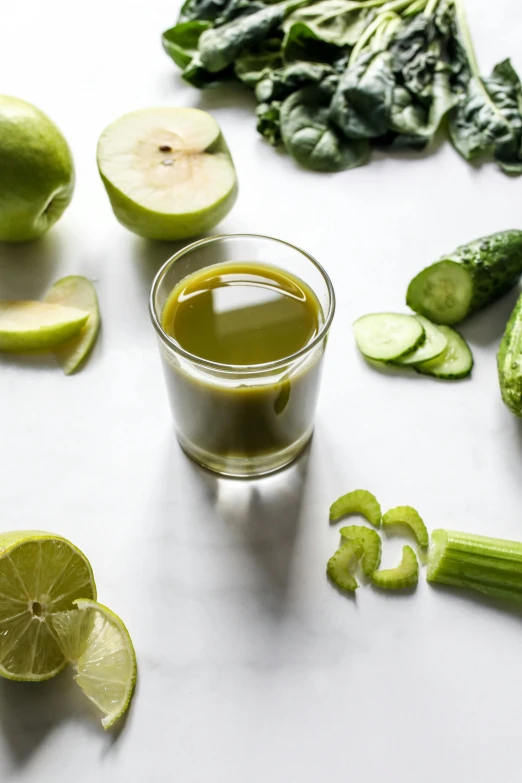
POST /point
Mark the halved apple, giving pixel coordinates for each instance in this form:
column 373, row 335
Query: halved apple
column 37, row 326
column 167, row 171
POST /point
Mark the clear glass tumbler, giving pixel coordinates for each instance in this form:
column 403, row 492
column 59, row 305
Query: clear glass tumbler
column 243, row 420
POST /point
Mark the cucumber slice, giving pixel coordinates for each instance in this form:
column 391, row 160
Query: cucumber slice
column 360, row 501
column 433, row 345
column 371, row 546
column 455, row 362
column 442, row 292
column 387, row 336
column 405, row 575
column 339, row 565
column 408, row 516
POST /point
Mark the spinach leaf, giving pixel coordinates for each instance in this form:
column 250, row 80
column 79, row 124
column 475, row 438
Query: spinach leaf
column 236, row 8
column 487, row 118
column 202, row 10
column 412, row 118
column 310, row 138
column 251, row 68
column 268, row 121
column 361, row 107
column 220, row 46
column 279, row 84
column 338, row 22
column 181, row 41
column 302, row 43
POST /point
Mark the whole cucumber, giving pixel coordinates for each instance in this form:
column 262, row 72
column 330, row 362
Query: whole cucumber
column 468, row 279
column 509, row 360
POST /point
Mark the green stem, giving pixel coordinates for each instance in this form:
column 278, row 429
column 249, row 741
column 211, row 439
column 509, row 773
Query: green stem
column 382, row 19
column 490, row 566
column 465, row 35
column 416, row 7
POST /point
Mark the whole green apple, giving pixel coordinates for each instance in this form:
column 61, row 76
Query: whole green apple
column 36, row 171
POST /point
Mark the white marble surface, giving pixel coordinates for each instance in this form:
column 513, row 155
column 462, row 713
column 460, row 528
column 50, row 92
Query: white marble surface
column 252, row 668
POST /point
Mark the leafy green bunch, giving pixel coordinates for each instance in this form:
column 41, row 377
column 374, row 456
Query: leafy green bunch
column 335, row 78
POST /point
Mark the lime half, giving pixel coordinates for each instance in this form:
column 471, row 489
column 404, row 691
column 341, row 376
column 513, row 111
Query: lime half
column 40, row 574
column 97, row 643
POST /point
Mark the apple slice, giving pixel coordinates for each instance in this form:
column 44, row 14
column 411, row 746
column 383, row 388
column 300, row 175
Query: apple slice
column 36, row 326
column 168, row 172
column 76, row 291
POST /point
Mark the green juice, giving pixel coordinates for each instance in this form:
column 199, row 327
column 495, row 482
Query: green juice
column 241, row 316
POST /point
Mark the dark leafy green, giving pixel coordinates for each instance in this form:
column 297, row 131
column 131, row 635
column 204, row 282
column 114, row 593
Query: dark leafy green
column 335, row 78
column 488, row 119
column 311, row 139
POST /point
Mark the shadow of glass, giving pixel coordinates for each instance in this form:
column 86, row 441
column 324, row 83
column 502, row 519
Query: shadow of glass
column 488, row 325
column 29, row 712
column 28, row 269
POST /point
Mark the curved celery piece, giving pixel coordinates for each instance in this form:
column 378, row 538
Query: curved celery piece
column 339, row 565
column 360, row 501
column 406, row 515
column 491, row 566
column 405, row 575
column 371, row 546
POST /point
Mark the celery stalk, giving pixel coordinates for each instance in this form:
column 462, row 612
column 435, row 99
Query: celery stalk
column 491, row 566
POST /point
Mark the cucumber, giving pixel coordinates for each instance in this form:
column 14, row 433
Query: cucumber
column 405, row 575
column 340, row 564
column 433, row 345
column 470, row 278
column 371, row 546
column 359, row 501
column 509, row 361
column 387, row 337
column 455, row 362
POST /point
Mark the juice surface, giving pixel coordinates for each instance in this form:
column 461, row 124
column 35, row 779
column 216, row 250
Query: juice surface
column 242, row 313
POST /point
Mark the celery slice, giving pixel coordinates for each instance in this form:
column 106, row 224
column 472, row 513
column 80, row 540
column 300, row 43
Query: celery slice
column 405, row 575
column 409, row 517
column 371, row 546
column 360, row 501
column 491, row 566
column 339, row 565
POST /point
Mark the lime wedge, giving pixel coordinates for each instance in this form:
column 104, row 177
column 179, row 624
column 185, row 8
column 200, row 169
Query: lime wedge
column 39, row 574
column 36, row 326
column 76, row 291
column 97, row 643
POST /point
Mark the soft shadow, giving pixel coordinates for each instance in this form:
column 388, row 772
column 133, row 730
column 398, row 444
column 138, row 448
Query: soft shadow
column 29, row 361
column 486, row 603
column 264, row 515
column 225, row 95
column 488, row 325
column 27, row 269
column 29, row 712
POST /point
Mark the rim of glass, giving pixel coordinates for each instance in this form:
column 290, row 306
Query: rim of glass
column 237, row 368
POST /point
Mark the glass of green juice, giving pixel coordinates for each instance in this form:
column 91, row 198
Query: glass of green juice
column 242, row 322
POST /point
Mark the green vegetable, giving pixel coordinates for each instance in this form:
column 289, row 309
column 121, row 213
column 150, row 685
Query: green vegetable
column 401, row 67
column 470, row 278
column 489, row 565
column 388, row 336
column 371, row 546
column 360, row 501
column 339, row 565
column 409, row 517
column 455, row 362
column 509, row 360
column 405, row 575
column 309, row 136
column 434, row 344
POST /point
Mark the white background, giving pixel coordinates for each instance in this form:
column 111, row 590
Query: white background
column 252, row 667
